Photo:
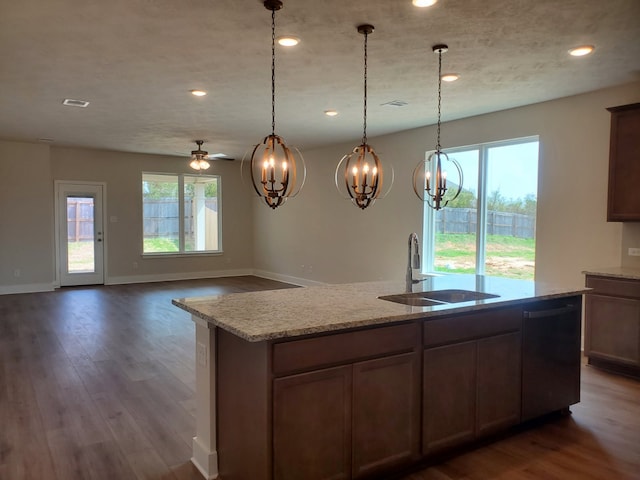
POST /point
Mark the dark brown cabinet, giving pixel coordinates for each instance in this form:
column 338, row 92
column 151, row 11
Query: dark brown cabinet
column 312, row 425
column 498, row 383
column 449, row 396
column 624, row 165
column 352, row 421
column 470, row 388
column 612, row 324
column 386, row 413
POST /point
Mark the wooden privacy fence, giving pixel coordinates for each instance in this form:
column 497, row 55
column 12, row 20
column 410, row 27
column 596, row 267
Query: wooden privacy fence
column 79, row 219
column 162, row 220
column 464, row 220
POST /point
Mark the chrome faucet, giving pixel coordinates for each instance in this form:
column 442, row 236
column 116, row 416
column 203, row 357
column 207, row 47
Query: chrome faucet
column 412, row 262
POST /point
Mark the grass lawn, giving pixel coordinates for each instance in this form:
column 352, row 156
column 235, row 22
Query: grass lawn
column 160, row 245
column 509, row 257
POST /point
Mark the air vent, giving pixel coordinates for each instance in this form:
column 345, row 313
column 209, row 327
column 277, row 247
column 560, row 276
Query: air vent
column 69, row 102
column 395, row 103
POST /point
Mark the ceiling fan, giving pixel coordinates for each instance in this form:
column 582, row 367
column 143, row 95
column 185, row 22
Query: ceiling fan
column 199, row 157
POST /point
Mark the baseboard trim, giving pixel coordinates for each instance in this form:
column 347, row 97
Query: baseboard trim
column 170, row 277
column 302, row 282
column 26, row 288
column 204, row 460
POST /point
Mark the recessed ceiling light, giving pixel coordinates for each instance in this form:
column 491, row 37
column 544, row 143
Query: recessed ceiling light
column 69, row 102
column 424, row 3
column 45, row 140
column 331, row 113
column 198, row 93
column 288, row 41
column 581, row 51
column 450, row 77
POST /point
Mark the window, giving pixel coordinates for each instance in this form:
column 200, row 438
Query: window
column 181, row 213
column 490, row 228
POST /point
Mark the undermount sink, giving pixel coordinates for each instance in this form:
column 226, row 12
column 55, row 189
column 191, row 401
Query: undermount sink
column 437, row 297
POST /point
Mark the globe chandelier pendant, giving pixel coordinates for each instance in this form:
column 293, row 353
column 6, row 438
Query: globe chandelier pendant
column 277, row 171
column 430, row 176
column 359, row 175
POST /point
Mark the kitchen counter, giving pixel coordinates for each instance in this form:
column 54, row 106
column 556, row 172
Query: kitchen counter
column 270, row 315
column 332, row 382
column 615, row 272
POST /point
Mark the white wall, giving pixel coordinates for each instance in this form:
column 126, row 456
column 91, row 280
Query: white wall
column 26, row 218
column 336, row 242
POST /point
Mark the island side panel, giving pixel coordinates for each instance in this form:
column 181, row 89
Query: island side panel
column 244, row 408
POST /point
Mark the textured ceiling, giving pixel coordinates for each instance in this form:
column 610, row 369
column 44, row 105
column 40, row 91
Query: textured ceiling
column 136, row 60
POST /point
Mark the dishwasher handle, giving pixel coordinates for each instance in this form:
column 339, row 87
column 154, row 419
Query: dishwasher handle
column 550, row 312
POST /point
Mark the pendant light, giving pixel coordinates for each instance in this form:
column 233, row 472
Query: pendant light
column 430, row 176
column 275, row 172
column 198, row 157
column 359, row 174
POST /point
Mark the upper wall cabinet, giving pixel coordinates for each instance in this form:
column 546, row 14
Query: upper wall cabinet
column 624, row 164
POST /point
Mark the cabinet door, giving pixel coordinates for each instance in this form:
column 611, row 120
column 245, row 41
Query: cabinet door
column 499, row 376
column 624, row 169
column 386, row 415
column 612, row 329
column 449, row 395
column 312, row 425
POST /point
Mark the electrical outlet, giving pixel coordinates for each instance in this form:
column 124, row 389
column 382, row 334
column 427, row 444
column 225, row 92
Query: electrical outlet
column 634, row 252
column 135, row 265
column 16, row 272
column 201, row 354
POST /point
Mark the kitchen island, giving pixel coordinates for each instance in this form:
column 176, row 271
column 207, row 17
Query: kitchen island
column 334, row 382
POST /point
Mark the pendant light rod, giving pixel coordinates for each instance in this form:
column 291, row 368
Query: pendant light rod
column 273, row 5
column 439, row 49
column 366, row 30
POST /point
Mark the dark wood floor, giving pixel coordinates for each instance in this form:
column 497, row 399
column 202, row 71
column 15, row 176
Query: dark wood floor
column 98, row 383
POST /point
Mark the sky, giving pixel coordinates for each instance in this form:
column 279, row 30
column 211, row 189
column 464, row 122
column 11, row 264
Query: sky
column 513, row 169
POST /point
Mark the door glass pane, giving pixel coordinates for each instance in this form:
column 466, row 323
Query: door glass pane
column 80, row 231
column 160, row 211
column 201, row 214
column 456, row 224
column 512, row 186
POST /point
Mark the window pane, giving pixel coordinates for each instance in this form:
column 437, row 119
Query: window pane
column 80, row 244
column 455, row 225
column 512, row 185
column 200, row 213
column 160, row 210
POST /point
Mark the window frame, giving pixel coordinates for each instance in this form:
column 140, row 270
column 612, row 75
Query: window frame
column 181, row 219
column 429, row 214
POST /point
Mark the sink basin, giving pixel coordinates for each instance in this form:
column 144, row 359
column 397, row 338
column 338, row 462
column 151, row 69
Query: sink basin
column 455, row 296
column 415, row 299
column 437, row 297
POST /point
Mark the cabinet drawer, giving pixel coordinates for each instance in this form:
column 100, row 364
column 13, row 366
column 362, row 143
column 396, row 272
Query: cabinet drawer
column 475, row 325
column 300, row 355
column 615, row 287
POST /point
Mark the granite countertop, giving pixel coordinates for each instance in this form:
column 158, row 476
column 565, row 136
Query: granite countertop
column 617, row 272
column 274, row 314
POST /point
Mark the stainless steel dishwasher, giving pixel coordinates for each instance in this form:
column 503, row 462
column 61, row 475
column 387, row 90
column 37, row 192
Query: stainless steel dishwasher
column 551, row 356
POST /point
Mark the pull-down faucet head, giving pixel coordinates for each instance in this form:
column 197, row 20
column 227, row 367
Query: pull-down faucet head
column 412, row 261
